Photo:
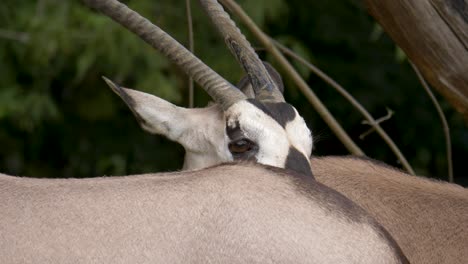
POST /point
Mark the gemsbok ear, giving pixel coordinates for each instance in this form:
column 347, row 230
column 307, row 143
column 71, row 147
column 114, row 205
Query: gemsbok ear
column 154, row 114
column 246, row 87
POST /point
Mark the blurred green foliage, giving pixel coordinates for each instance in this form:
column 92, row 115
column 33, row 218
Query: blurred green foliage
column 58, row 118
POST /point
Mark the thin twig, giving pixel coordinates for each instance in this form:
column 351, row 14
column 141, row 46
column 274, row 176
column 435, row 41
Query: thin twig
column 448, row 141
column 191, row 48
column 377, row 121
column 404, row 162
column 292, row 73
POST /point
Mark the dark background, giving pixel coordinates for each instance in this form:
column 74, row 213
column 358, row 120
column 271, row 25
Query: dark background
column 59, row 119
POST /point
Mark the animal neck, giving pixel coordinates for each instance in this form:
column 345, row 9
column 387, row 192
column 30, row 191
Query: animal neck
column 195, row 161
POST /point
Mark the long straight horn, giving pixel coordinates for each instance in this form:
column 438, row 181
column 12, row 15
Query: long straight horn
column 217, row 87
column 263, row 85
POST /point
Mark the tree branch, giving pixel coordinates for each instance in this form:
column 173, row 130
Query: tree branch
column 448, row 141
column 191, row 48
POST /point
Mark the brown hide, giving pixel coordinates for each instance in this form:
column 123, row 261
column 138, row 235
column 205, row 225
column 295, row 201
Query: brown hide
column 427, row 218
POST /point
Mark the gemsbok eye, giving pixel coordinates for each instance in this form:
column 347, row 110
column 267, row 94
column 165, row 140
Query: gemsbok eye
column 240, row 146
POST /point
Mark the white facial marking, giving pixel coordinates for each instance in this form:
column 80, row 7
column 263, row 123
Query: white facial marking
column 263, row 130
column 202, row 131
column 299, row 135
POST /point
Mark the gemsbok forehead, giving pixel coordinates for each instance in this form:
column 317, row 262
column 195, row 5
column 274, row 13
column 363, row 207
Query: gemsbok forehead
column 279, row 130
column 282, row 113
column 287, row 117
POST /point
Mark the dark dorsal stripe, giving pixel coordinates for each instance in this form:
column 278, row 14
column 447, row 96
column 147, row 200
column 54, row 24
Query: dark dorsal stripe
column 334, row 201
column 234, row 132
column 282, row 113
column 296, row 161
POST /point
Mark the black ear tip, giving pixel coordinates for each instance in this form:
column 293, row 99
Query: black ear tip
column 116, row 88
column 111, row 84
column 120, row 92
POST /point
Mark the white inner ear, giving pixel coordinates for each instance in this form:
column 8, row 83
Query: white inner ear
column 260, row 128
column 159, row 115
column 201, row 131
column 205, row 141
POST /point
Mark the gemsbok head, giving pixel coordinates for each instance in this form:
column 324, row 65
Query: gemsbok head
column 259, row 126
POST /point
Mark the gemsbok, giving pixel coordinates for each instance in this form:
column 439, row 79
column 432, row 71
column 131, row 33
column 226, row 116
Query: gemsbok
column 231, row 213
column 428, row 219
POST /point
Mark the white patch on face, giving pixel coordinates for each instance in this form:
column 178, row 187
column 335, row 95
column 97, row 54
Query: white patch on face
column 299, row 135
column 202, row 131
column 260, row 128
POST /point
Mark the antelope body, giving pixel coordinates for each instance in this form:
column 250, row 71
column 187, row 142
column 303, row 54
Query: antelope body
column 225, row 214
column 255, row 123
column 428, row 219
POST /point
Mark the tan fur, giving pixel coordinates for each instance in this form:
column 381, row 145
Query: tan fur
column 428, row 219
column 224, row 214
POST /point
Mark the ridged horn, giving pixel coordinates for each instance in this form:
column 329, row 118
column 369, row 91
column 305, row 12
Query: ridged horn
column 264, row 87
column 216, row 86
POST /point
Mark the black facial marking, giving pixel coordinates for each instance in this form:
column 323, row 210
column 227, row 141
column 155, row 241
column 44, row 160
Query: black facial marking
column 296, row 161
column 235, row 133
column 282, row 113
